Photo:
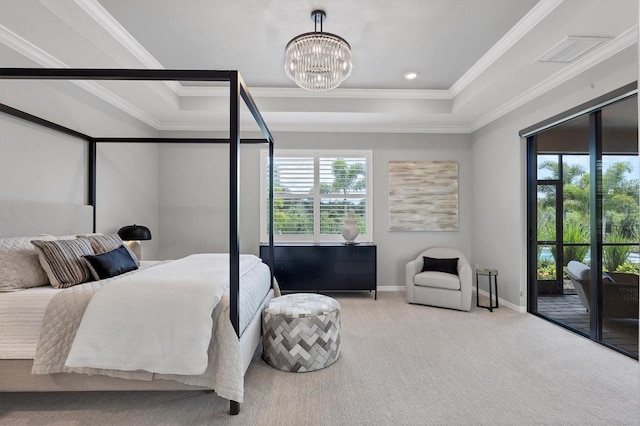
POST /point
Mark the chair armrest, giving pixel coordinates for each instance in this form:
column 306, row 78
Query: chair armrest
column 466, row 279
column 411, row 269
column 466, row 285
column 414, row 267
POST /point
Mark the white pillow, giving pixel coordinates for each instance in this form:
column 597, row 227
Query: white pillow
column 19, row 264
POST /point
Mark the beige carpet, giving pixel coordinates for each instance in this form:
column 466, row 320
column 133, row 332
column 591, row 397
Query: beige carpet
column 400, row 364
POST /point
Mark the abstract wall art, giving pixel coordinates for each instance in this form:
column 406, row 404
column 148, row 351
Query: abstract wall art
column 423, row 196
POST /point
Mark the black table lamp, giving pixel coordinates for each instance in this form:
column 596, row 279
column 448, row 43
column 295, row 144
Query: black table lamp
column 133, row 234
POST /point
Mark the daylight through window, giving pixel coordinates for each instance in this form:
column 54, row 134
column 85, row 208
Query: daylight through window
column 313, row 193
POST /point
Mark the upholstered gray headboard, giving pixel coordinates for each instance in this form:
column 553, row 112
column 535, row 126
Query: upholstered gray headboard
column 28, row 218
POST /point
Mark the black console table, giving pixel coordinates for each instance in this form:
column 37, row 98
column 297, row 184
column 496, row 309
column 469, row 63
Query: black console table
column 323, row 266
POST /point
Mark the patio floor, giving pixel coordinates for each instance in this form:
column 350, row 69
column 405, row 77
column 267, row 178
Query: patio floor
column 567, row 309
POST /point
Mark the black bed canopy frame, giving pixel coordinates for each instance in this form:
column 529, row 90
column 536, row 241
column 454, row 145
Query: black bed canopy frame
column 237, row 90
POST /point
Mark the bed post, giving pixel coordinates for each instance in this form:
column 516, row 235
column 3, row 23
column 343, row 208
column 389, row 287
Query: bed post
column 269, row 139
column 271, row 167
column 234, row 210
column 92, row 177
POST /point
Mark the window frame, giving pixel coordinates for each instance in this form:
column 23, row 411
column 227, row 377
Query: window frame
column 316, row 154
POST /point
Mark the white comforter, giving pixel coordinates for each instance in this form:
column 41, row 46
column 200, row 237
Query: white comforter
column 157, row 320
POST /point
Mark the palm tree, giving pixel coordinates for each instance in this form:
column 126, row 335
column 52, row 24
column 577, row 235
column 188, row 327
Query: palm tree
column 348, row 178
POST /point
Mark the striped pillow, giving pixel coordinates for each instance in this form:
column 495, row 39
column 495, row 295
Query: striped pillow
column 106, row 243
column 62, row 261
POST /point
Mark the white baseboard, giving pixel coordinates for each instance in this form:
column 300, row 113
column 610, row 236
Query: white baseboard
column 391, row 288
column 505, row 303
column 501, row 301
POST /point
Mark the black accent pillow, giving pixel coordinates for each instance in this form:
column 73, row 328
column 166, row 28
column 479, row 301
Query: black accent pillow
column 450, row 266
column 111, row 263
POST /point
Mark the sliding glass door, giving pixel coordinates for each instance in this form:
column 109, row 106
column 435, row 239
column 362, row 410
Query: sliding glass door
column 584, row 220
column 620, row 233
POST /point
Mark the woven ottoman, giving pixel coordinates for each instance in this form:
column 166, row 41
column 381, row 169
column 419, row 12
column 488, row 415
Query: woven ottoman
column 301, row 332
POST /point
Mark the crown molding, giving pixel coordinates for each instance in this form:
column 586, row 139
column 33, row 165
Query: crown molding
column 353, row 93
column 96, row 11
column 321, row 128
column 374, row 128
column 29, row 50
column 118, row 32
column 526, row 24
column 623, row 41
column 287, row 92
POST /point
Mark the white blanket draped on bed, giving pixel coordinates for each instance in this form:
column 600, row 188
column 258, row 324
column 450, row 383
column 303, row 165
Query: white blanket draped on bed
column 156, row 320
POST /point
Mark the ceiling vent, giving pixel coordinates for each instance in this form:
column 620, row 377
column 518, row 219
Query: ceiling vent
column 571, row 48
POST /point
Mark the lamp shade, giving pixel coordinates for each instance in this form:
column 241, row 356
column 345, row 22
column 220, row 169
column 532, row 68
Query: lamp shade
column 134, row 233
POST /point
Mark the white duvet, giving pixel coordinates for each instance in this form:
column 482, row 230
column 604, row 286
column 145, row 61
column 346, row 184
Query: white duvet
column 158, row 319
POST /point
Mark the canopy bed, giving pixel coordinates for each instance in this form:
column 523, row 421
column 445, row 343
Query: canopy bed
column 29, row 219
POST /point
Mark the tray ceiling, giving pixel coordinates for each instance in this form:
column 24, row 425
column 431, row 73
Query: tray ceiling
column 476, row 60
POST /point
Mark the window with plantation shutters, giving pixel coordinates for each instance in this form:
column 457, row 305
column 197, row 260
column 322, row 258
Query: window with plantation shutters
column 313, row 193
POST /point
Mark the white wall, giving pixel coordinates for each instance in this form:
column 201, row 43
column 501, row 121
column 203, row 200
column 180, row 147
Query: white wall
column 499, row 173
column 127, row 191
column 39, row 164
column 194, row 194
column 194, row 199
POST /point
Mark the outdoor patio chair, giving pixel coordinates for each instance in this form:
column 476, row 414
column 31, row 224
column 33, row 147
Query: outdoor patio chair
column 619, row 290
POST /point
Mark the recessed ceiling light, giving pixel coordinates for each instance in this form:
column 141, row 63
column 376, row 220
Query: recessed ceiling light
column 410, row 75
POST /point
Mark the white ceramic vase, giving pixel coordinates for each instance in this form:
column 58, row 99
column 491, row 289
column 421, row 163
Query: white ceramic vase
column 350, row 229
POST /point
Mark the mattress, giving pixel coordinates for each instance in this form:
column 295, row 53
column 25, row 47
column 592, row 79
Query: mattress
column 21, row 312
column 254, row 286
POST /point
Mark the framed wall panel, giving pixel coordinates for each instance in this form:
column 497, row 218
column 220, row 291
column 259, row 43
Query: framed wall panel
column 423, row 196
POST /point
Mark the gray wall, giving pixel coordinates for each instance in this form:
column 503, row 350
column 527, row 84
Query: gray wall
column 194, row 194
column 499, row 173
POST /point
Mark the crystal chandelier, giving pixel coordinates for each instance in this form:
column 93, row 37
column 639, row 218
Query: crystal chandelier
column 318, row 61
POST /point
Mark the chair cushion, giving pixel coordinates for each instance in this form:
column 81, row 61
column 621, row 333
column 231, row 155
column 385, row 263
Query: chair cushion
column 579, row 270
column 437, row 280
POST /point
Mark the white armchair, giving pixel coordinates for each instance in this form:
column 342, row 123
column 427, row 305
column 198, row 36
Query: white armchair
column 437, row 288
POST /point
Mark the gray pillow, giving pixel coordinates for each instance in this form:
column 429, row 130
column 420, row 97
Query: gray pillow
column 105, row 243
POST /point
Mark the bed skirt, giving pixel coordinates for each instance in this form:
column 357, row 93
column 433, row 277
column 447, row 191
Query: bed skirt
column 16, row 377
